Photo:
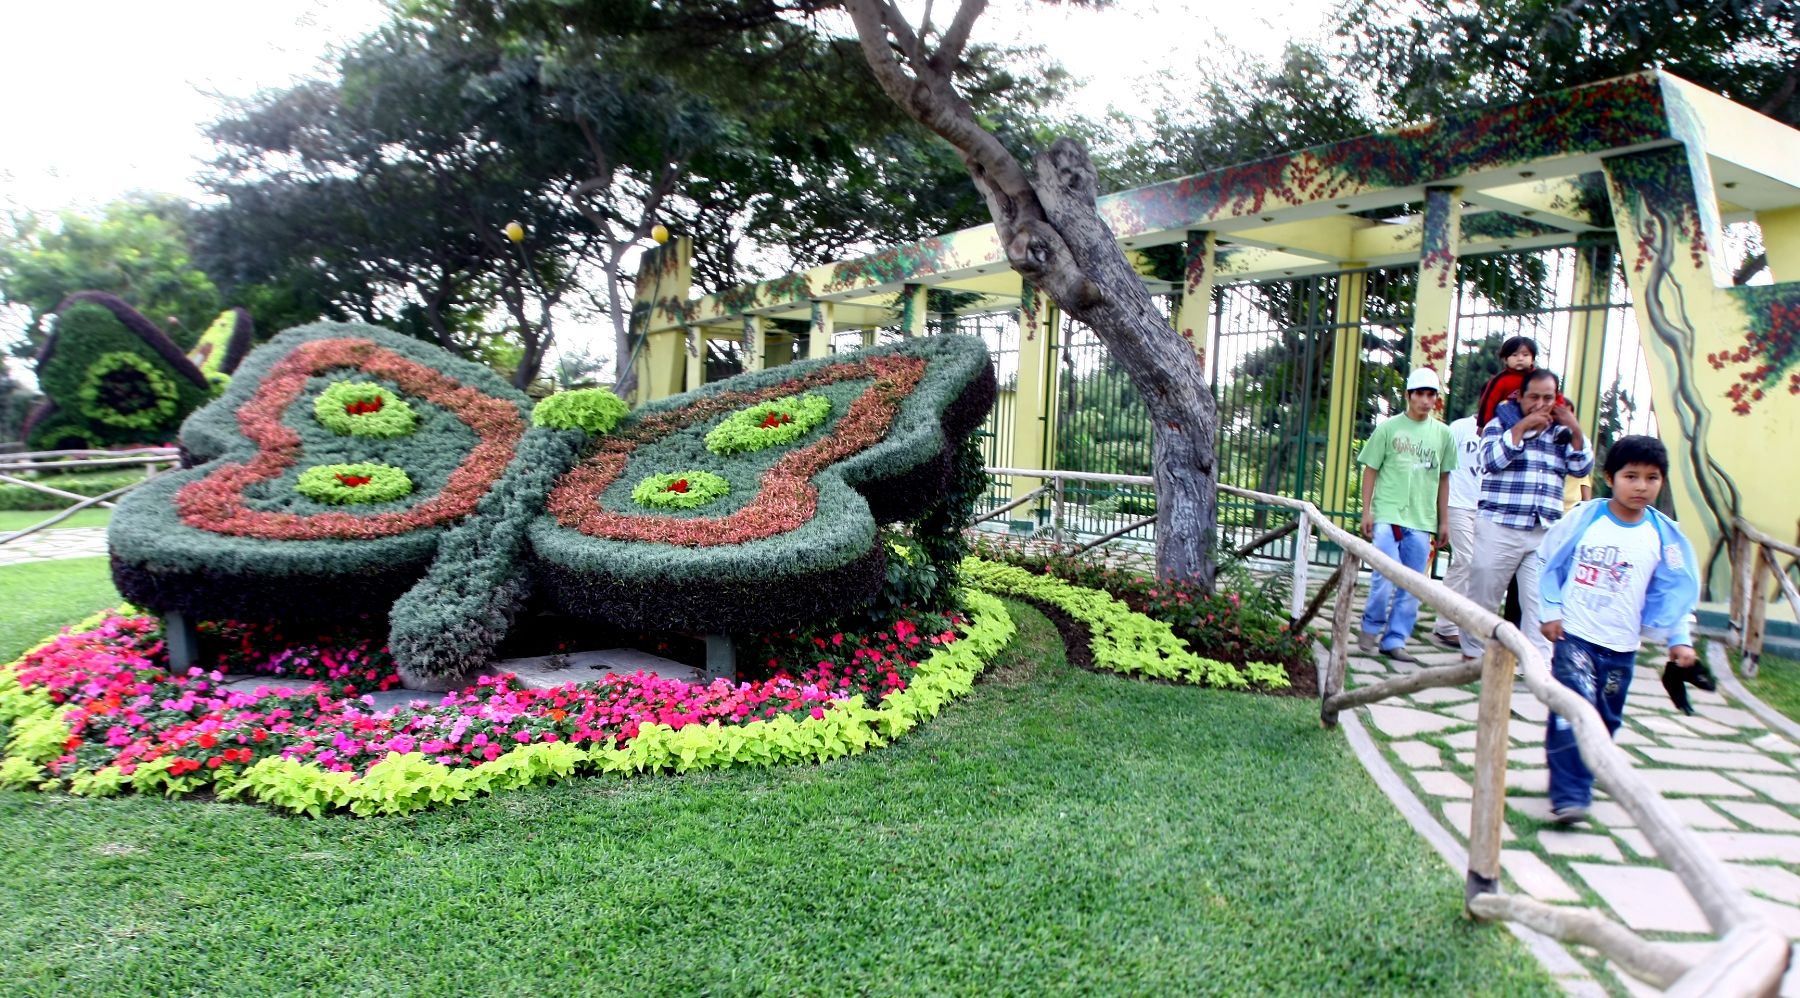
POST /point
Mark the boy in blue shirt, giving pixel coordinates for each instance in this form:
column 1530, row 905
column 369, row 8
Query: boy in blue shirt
column 1613, row 570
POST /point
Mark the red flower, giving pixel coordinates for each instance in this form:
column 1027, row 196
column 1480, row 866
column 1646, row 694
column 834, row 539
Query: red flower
column 679, row 485
column 353, row 480
column 362, row 407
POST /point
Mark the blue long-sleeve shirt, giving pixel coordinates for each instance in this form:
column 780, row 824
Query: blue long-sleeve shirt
column 1522, row 483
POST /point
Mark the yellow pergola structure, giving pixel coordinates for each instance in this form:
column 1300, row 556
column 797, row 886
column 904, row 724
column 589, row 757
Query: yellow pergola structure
column 1658, row 163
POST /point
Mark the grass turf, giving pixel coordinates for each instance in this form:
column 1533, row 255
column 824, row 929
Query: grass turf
column 37, row 598
column 1777, row 684
column 1056, row 832
column 19, row 519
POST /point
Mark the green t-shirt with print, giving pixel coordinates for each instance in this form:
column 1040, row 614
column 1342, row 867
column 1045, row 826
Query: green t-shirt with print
column 1409, row 457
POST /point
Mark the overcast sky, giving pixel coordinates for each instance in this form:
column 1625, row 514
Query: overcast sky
column 106, row 96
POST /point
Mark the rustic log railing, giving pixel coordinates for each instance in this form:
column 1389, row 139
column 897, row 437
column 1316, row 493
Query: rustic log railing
column 14, row 466
column 1754, row 557
column 1752, row 955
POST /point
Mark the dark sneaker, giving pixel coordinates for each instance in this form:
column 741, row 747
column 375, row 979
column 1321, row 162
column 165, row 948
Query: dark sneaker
column 1453, row 642
column 1569, row 815
column 1672, row 684
column 1367, row 643
column 1402, row 655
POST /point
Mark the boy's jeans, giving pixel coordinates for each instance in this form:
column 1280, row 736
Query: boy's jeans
column 1395, row 625
column 1602, row 676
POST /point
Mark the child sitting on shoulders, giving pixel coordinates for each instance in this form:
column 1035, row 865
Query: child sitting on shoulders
column 1613, row 570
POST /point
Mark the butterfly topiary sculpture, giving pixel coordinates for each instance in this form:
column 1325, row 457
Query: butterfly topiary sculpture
column 348, row 470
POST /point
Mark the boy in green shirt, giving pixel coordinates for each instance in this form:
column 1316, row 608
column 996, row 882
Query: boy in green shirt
column 1405, row 492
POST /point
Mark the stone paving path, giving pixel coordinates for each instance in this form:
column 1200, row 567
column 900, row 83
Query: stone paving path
column 53, row 543
column 1727, row 775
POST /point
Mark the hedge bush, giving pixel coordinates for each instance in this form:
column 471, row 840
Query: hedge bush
column 18, row 497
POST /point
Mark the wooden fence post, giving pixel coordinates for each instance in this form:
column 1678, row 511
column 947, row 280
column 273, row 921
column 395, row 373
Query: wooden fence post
column 1757, row 617
column 1488, row 813
column 1056, row 510
column 1737, row 614
column 1302, row 541
column 1343, row 614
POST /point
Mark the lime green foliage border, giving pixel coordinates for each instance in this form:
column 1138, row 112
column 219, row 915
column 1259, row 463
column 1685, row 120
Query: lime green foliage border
column 703, row 487
column 1123, row 640
column 386, row 483
column 395, row 419
column 403, row 783
column 595, row 410
column 742, row 431
column 143, row 419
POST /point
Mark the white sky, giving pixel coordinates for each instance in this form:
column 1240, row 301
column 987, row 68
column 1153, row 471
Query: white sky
column 108, row 96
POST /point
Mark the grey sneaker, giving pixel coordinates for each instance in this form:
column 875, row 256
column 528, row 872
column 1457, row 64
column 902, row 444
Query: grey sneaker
column 1569, row 815
column 1367, row 643
column 1400, row 654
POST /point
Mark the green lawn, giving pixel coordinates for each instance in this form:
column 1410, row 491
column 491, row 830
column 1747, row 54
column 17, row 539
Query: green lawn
column 19, row 519
column 39, row 597
column 1057, row 831
column 1777, row 683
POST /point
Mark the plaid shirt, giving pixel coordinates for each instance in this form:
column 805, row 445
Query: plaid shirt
column 1522, row 484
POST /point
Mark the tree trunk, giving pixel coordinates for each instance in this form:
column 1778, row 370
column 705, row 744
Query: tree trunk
column 1050, row 227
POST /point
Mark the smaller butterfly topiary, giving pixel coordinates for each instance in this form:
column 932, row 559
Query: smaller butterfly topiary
column 361, row 409
column 124, row 390
column 354, row 483
column 768, row 424
column 680, row 490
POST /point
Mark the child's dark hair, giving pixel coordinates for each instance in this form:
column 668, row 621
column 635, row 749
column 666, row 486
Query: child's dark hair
column 1514, row 344
column 1637, row 450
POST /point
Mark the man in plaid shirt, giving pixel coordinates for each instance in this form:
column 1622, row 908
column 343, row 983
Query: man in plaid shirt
column 1523, row 467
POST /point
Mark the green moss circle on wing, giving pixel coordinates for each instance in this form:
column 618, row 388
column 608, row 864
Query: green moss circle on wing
column 769, row 424
column 354, row 483
column 361, row 409
column 595, row 410
column 125, row 390
column 679, row 490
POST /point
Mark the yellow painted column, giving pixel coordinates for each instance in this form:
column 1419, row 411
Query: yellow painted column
column 1434, row 306
column 912, row 310
column 696, row 358
column 818, row 338
column 1342, row 478
column 1781, row 238
column 1032, row 412
column 755, row 344
column 1726, row 391
column 664, row 367
column 1583, row 370
column 1193, row 316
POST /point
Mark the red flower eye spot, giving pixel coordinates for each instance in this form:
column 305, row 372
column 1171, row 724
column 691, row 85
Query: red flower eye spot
column 362, row 407
column 353, row 480
column 679, row 485
column 775, row 419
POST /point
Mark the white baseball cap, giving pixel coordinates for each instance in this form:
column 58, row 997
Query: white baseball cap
column 1421, row 378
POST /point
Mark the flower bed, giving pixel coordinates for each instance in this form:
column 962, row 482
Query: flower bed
column 1242, row 620
column 97, row 711
column 1120, row 638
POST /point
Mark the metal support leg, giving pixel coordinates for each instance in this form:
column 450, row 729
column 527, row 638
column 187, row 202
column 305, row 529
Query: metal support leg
column 721, row 658
column 181, row 639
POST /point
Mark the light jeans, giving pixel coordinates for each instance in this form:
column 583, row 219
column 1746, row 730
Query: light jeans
column 1461, row 529
column 1502, row 553
column 1391, row 611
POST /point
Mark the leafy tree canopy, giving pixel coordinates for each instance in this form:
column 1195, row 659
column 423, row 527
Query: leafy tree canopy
column 136, row 247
